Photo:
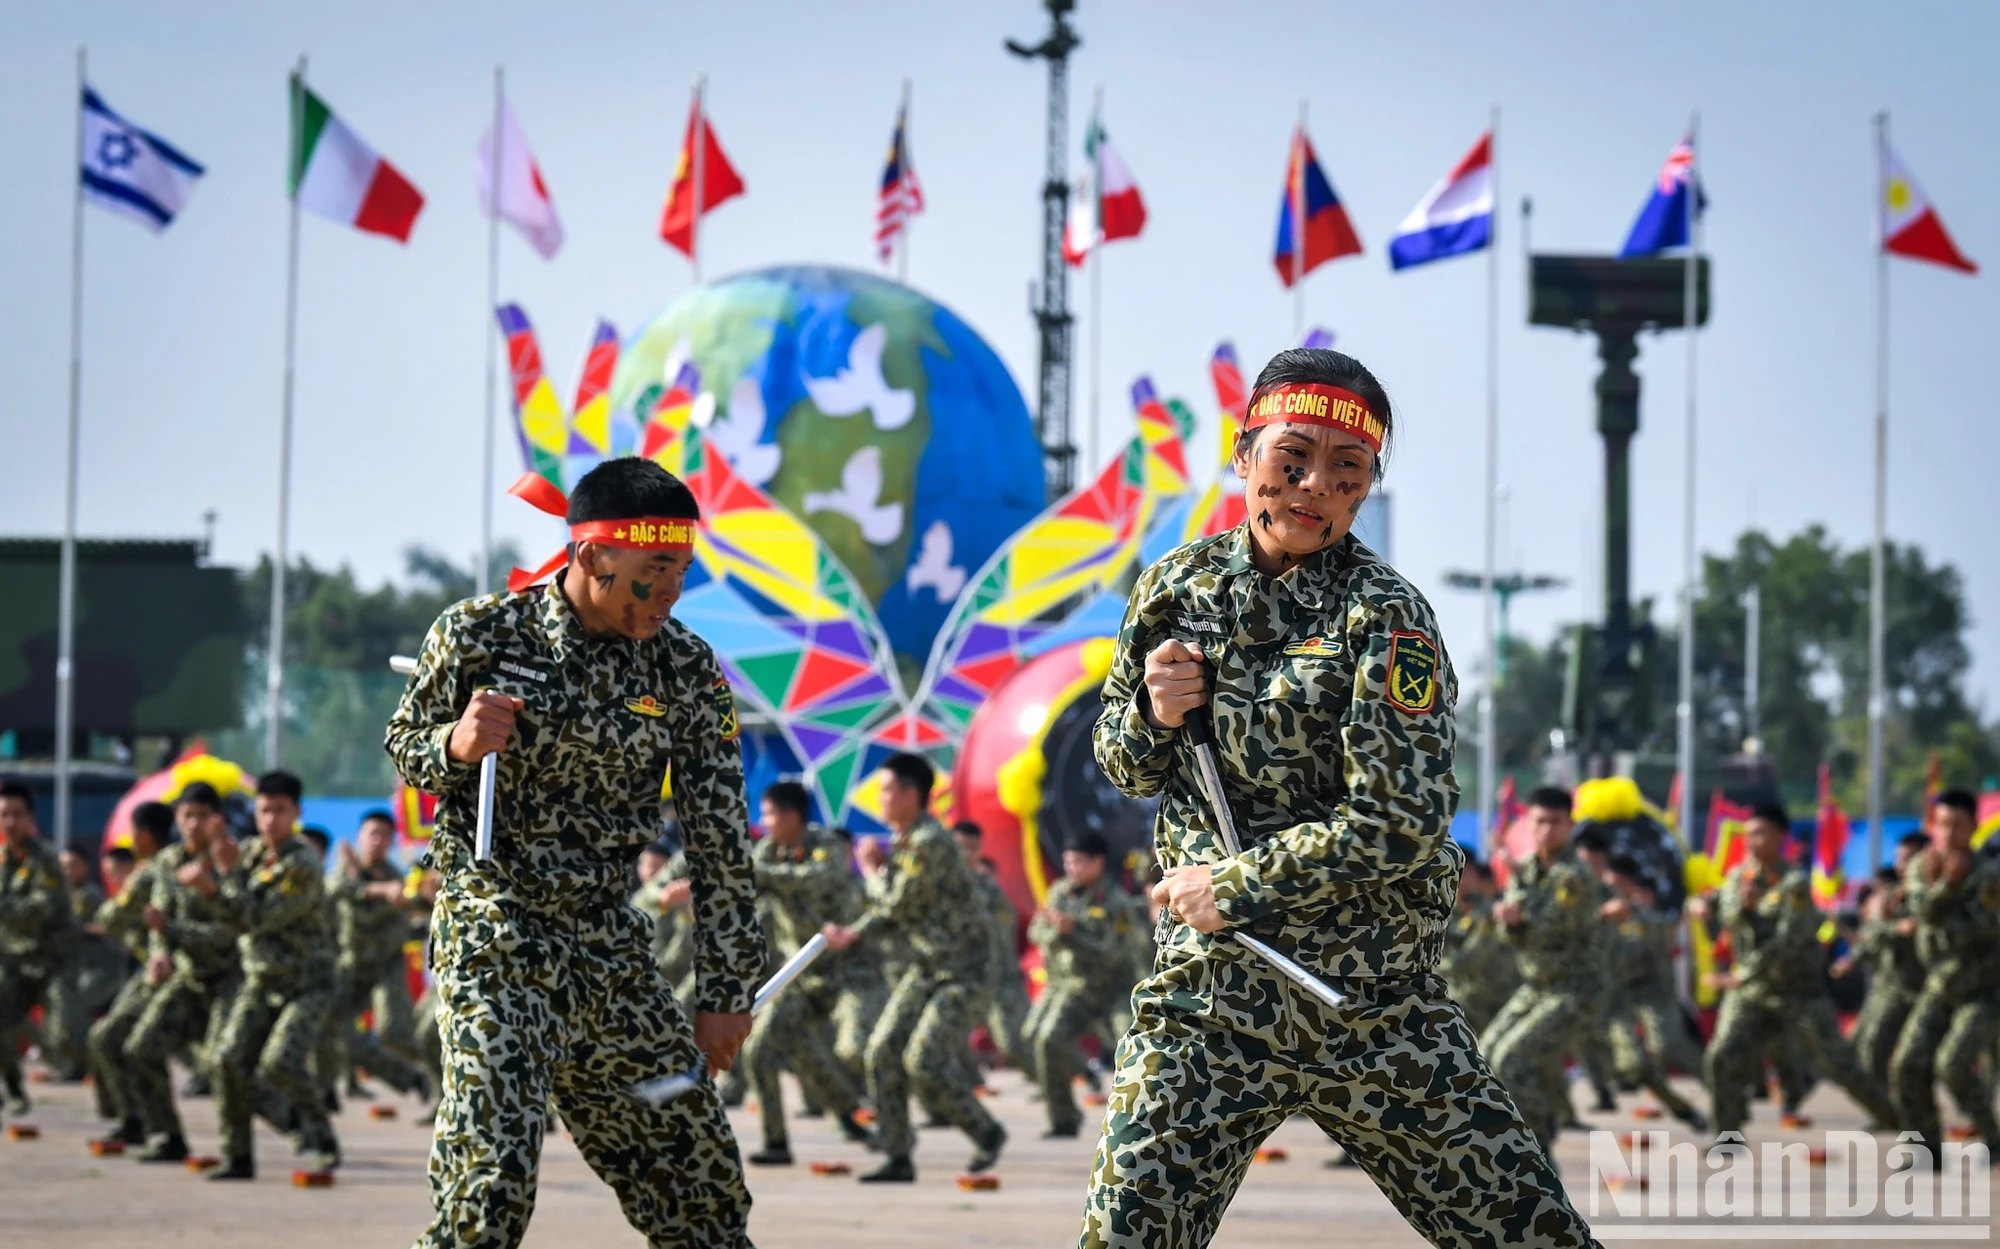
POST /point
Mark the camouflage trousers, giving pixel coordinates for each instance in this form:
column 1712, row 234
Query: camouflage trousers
column 430, row 1047
column 109, row 1070
column 801, row 1031
column 1007, row 1022
column 1637, row 1036
column 1883, row 1013
column 261, row 1065
column 1749, row 1028
column 57, row 990
column 387, row 1050
column 919, row 1046
column 535, row 1007
column 1058, row 1020
column 1397, row 1082
column 179, row 1013
column 1526, row 1043
column 1947, row 1037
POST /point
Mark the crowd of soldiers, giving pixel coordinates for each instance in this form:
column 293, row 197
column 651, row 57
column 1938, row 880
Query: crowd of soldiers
column 1573, row 961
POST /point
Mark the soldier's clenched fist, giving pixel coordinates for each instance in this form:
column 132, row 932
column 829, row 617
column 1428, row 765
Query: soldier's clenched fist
column 1175, row 682
column 484, row 728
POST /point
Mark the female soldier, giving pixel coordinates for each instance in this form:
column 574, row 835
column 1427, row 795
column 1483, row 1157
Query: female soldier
column 1332, row 705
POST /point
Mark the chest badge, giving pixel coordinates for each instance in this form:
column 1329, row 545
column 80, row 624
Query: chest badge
column 1413, row 665
column 647, row 706
column 1314, row 648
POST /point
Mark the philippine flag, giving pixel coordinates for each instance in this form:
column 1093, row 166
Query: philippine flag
column 1455, row 218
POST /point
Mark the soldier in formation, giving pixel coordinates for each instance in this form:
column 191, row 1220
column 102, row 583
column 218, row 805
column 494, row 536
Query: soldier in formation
column 1007, row 1009
column 40, row 942
column 122, row 919
column 1084, row 931
column 372, row 918
column 1642, row 1014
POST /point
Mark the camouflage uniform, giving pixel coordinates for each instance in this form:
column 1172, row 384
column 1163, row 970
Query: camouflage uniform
column 918, row 1046
column 1007, row 1008
column 1642, row 975
column 121, row 918
column 1953, row 1021
column 673, row 928
column 1479, row 967
column 39, row 946
column 102, row 962
column 261, row 1064
column 1089, row 968
column 1895, row 978
column 192, row 1004
column 374, row 975
column 1332, row 715
column 805, row 886
column 545, row 985
column 1775, row 953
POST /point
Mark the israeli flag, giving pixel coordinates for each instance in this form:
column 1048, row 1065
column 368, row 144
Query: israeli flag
column 131, row 171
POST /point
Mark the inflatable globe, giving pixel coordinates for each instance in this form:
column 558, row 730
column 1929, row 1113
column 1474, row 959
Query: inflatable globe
column 868, row 410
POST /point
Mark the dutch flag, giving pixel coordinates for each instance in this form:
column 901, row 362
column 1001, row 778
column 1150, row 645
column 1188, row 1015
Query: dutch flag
column 1455, row 218
column 131, row 171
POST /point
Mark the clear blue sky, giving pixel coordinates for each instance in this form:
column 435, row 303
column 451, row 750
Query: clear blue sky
column 183, row 332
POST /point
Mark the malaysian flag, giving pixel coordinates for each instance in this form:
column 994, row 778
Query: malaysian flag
column 901, row 197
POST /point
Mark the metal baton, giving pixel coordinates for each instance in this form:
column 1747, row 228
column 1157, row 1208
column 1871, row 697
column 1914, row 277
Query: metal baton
column 662, row 1089
column 489, row 778
column 1201, row 734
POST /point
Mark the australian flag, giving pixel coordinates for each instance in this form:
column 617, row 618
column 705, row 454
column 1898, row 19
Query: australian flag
column 1663, row 222
column 131, row 171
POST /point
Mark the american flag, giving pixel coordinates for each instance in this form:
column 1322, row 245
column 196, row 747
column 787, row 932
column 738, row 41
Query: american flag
column 901, row 197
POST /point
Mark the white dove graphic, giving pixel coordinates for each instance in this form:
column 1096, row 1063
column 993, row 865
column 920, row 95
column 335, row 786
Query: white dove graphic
column 859, row 497
column 861, row 387
column 934, row 568
column 736, row 432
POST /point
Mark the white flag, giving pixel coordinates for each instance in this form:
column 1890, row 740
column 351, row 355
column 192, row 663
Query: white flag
column 524, row 199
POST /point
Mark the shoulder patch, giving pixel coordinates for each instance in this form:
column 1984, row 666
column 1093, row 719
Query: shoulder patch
column 725, row 710
column 1413, row 664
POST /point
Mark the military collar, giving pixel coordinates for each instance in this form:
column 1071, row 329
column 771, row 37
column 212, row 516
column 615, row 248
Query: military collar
column 1309, row 582
column 559, row 619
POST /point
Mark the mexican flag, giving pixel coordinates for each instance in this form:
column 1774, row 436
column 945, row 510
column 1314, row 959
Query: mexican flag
column 1105, row 206
column 336, row 174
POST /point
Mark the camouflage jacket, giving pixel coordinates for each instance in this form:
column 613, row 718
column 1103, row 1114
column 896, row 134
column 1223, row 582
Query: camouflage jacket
column 1773, row 931
column 580, row 786
column 1642, row 954
column 807, row 886
column 84, row 901
column 276, row 903
column 1893, row 964
column 372, row 932
column 1332, row 704
column 1006, row 967
column 1561, row 936
column 925, row 893
column 1479, row 965
column 673, row 948
column 201, row 944
column 123, row 917
column 38, row 930
column 1958, row 928
column 1096, row 954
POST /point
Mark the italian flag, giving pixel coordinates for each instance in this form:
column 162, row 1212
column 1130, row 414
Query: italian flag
column 1106, row 204
column 336, row 174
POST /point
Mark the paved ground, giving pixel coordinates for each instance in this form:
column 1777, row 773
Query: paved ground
column 54, row 1194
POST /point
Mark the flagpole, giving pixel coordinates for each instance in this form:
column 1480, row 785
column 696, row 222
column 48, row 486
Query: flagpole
column 700, row 142
column 1684, row 710
column 66, row 591
column 274, row 679
column 1489, row 762
column 498, row 166
column 1876, row 574
column 909, row 220
column 1298, row 193
column 1096, row 258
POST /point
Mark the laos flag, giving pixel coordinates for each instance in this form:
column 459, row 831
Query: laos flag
column 1455, row 218
column 1309, row 198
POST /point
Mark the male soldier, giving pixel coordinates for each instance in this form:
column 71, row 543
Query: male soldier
column 373, row 973
column 1954, row 896
column 1007, row 987
column 1479, row 966
column 1776, row 980
column 1552, row 912
column 805, row 882
column 1084, row 930
column 193, row 965
column 39, row 935
column 666, row 897
column 122, row 920
column 271, row 895
column 1642, row 975
column 919, row 1044
column 587, row 690
column 328, row 1061
column 101, row 963
column 1887, row 945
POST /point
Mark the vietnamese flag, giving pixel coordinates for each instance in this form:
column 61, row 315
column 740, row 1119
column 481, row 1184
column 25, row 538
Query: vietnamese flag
column 1829, row 844
column 719, row 182
column 1910, row 226
column 1327, row 234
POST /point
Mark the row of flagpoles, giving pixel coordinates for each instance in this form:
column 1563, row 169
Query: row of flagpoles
column 334, row 173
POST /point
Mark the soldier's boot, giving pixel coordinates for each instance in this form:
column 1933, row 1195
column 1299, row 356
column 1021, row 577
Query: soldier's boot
column 130, row 1132
column 197, row 1086
column 327, row 1156
column 1695, row 1119
column 172, row 1147
column 895, row 1171
column 937, row 1120
column 357, row 1091
column 989, row 1149
column 1606, row 1102
column 853, row 1130
column 774, row 1154
column 235, row 1169
column 18, row 1101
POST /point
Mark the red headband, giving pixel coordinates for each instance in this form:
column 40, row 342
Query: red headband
column 643, row 533
column 1314, row 404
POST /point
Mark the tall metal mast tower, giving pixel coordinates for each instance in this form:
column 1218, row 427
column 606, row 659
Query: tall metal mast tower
column 1052, row 318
